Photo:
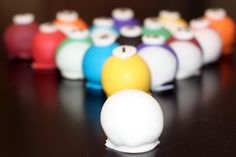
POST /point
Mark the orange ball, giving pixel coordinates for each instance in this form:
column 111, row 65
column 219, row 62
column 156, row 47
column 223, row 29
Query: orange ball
column 69, row 20
column 79, row 23
column 224, row 25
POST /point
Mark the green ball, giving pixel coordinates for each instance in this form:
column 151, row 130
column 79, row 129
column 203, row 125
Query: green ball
column 157, row 32
column 71, row 40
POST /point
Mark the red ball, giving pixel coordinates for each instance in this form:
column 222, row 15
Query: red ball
column 192, row 40
column 18, row 39
column 44, row 48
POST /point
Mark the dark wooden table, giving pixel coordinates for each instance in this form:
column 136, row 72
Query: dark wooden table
column 43, row 115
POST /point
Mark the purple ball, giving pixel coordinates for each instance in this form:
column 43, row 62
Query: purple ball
column 131, row 22
column 165, row 46
column 161, row 62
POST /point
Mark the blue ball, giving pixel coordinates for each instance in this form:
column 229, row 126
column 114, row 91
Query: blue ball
column 93, row 62
column 95, row 29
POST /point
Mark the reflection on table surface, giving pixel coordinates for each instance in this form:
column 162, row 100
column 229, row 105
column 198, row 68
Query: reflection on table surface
column 48, row 115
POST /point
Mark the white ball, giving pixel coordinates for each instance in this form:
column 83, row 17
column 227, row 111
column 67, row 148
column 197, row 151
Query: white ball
column 189, row 57
column 212, row 49
column 132, row 121
column 162, row 64
column 69, row 59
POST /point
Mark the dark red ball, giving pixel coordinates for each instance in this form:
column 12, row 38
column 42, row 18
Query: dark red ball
column 18, row 40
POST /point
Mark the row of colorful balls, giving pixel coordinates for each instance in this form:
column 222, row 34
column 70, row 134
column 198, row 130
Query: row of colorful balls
column 167, row 46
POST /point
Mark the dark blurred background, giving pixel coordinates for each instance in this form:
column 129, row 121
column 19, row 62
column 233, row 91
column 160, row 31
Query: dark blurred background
column 88, row 9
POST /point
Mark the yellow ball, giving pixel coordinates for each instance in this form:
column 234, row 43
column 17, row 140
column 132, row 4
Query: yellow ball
column 172, row 20
column 125, row 70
